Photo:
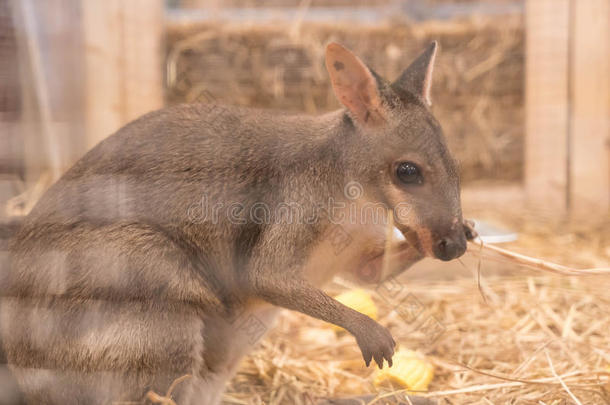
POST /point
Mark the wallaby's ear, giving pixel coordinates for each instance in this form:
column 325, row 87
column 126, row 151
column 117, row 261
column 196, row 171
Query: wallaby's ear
column 354, row 85
column 417, row 78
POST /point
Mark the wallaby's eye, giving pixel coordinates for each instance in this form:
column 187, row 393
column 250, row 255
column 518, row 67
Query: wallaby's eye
column 409, row 173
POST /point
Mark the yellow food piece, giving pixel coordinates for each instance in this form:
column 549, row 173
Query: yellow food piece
column 358, row 300
column 410, row 370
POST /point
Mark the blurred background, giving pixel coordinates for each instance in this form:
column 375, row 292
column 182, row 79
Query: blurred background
column 521, row 87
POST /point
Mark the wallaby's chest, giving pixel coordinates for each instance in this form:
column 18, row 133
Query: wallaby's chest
column 355, row 236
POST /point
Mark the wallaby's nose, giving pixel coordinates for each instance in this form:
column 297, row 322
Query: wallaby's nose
column 447, row 248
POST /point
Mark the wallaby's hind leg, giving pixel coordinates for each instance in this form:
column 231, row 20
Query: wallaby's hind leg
column 95, row 315
column 117, row 353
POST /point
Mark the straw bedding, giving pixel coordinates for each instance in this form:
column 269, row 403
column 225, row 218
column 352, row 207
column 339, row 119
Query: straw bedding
column 523, row 337
column 504, row 351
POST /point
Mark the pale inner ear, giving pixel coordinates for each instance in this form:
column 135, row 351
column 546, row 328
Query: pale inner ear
column 354, row 85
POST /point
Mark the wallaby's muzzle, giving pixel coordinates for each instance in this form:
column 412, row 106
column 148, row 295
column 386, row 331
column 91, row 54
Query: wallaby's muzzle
column 451, row 246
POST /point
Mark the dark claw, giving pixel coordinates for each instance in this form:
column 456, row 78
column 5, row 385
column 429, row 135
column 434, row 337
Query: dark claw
column 375, row 341
column 367, row 359
column 388, row 357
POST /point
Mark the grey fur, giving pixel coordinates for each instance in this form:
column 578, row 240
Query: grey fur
column 115, row 289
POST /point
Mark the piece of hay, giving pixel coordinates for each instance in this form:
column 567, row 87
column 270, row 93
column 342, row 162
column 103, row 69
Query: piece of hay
column 531, row 262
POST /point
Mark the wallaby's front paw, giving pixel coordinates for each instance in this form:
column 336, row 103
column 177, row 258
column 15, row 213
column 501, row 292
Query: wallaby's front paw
column 375, row 342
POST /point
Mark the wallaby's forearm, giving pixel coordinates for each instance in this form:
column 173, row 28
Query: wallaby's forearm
column 293, row 292
column 299, row 295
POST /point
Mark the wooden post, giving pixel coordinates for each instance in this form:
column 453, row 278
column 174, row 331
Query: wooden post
column 568, row 106
column 87, row 67
column 143, row 32
column 547, row 105
column 590, row 112
column 50, row 75
column 48, row 44
column 123, row 63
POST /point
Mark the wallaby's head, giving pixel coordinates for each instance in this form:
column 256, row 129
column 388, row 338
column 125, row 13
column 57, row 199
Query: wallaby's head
column 397, row 151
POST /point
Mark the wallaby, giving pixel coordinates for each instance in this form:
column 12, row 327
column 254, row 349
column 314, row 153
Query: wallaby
column 142, row 262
